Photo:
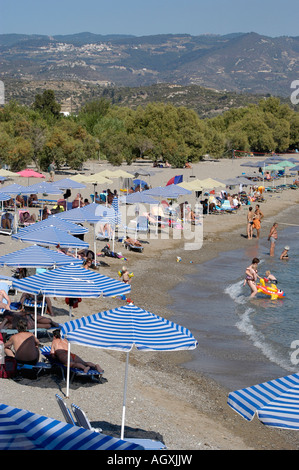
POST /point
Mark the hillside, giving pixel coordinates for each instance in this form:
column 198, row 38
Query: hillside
column 242, row 63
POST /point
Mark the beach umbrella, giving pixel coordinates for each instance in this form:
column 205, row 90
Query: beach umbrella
column 23, row 430
column 4, row 197
column 139, row 197
column 293, row 160
column 67, row 183
column 194, row 185
column 72, row 281
column 7, row 173
column 15, row 189
column 44, row 188
column 122, row 174
column 29, row 173
column 273, row 167
column 143, row 172
column 50, row 235
column 276, row 402
column 139, row 182
column 126, row 327
column 295, row 168
column 70, row 227
column 37, row 257
column 175, row 180
column 286, row 164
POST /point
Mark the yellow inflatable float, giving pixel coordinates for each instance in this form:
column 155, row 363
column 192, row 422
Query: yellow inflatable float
column 271, row 290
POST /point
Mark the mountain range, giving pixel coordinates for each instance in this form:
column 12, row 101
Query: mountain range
column 239, row 62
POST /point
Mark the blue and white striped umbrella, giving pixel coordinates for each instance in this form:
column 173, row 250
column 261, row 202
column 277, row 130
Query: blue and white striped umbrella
column 38, row 257
column 4, row 196
column 50, row 236
column 276, row 402
column 53, row 221
column 124, row 327
column 72, row 281
column 82, row 214
column 115, row 207
column 23, row 430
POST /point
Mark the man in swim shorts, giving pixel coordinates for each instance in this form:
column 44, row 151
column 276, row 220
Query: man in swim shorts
column 23, row 345
column 272, row 237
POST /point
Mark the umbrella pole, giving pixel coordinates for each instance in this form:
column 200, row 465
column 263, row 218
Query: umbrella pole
column 68, row 369
column 95, row 244
column 43, row 305
column 35, row 315
column 124, row 399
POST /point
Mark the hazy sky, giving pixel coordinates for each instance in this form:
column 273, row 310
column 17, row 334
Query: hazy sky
column 140, row 17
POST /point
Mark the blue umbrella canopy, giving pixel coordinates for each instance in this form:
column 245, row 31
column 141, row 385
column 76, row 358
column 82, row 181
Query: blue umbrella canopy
column 124, row 327
column 50, row 236
column 44, row 187
column 16, row 189
column 23, row 430
column 276, row 402
column 140, row 197
column 37, row 256
column 72, row 281
column 91, row 213
column 128, row 326
column 4, row 196
column 67, row 183
column 54, row 221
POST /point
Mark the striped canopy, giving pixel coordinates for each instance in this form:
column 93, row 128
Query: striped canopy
column 23, row 430
column 276, row 402
column 44, row 187
column 50, row 236
column 37, row 256
column 53, row 221
column 124, row 327
column 128, row 326
column 90, row 213
column 16, row 189
column 72, row 281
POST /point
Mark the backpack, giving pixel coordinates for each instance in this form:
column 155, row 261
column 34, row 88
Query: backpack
column 9, row 368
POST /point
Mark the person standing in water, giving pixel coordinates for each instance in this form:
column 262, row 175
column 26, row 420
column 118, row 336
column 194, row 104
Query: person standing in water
column 251, row 276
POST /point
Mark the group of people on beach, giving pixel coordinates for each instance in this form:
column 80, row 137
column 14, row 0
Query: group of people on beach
column 254, row 219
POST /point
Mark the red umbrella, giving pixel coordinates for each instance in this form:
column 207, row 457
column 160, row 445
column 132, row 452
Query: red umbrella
column 28, row 173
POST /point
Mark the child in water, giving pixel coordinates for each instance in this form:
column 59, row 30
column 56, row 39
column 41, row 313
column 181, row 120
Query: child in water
column 270, row 278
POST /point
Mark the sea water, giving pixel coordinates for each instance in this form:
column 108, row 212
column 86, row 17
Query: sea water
column 243, row 341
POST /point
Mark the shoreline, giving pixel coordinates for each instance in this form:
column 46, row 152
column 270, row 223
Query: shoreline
column 186, row 408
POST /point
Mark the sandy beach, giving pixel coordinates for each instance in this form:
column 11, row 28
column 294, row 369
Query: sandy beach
column 186, row 410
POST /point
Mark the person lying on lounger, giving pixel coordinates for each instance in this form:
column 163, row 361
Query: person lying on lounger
column 131, row 241
column 11, row 319
column 59, row 350
column 39, row 299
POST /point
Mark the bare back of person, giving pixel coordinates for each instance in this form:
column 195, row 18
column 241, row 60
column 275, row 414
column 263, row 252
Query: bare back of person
column 24, row 347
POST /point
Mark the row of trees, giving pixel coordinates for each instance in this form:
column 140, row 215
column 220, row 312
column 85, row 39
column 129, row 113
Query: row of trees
column 161, row 131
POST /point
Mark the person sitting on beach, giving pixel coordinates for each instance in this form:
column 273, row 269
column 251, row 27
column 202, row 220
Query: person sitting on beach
column 45, row 213
column 59, row 350
column 285, row 253
column 11, row 318
column 23, row 346
column 89, row 264
column 251, row 276
column 26, row 218
column 20, row 202
column 77, row 202
column 6, row 221
column 32, row 200
column 270, row 277
column 3, row 295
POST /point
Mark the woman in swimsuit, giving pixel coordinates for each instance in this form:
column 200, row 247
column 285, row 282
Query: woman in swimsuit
column 251, row 276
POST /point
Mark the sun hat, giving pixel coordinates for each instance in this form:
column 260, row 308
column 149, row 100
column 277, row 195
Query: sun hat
column 287, row 248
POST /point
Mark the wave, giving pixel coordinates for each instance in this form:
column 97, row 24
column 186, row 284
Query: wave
column 245, row 325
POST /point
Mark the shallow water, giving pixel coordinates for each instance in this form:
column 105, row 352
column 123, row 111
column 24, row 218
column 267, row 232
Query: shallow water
column 242, row 341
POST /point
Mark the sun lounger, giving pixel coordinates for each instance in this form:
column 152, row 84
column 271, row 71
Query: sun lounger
column 131, row 246
column 92, row 373
column 82, row 419
column 65, row 410
column 147, row 444
column 35, row 368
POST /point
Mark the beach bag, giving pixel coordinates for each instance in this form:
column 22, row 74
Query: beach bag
column 9, row 368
